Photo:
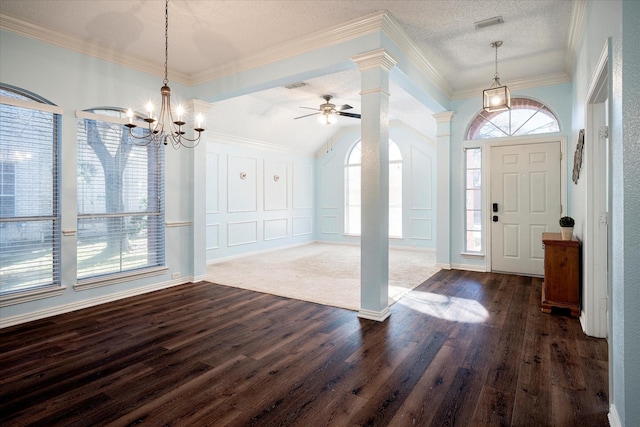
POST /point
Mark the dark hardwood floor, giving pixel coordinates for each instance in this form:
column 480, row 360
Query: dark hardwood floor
column 464, row 349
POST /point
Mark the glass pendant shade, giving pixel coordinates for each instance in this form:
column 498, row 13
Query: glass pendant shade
column 327, row 119
column 496, row 99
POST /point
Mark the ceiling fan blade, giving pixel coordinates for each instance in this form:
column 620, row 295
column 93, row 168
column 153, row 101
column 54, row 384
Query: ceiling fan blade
column 355, row 116
column 306, row 115
column 344, row 107
column 309, row 108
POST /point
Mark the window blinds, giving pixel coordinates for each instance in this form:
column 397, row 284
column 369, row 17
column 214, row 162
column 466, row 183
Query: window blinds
column 29, row 214
column 120, row 198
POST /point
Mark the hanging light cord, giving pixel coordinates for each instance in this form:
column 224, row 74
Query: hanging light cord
column 496, row 76
column 166, row 44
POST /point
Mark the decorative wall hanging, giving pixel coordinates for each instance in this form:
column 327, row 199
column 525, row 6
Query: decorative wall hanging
column 577, row 158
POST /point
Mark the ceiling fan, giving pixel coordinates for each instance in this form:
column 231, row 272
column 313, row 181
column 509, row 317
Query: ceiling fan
column 329, row 111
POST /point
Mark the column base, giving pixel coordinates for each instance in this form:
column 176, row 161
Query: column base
column 378, row 316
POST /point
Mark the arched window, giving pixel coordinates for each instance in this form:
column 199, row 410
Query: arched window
column 352, row 190
column 120, row 197
column 29, row 191
column 526, row 117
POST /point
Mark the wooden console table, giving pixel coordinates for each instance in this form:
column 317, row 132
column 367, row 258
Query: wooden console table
column 561, row 287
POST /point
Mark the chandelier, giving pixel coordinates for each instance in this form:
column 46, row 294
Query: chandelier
column 497, row 97
column 166, row 127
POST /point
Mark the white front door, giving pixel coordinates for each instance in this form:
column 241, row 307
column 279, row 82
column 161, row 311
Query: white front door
column 525, row 202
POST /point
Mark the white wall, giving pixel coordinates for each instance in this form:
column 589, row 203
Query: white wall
column 618, row 21
column 556, row 97
column 418, row 188
column 248, row 209
column 75, row 82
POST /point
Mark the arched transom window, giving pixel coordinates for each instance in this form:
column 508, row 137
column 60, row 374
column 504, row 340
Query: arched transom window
column 526, row 117
column 352, row 172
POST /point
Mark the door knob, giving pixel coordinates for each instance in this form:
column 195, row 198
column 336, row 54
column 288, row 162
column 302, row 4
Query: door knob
column 495, row 218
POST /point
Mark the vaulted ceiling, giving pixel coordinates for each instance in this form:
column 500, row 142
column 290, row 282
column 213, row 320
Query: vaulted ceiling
column 209, row 38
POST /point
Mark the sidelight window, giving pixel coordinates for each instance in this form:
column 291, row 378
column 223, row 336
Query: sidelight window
column 473, row 200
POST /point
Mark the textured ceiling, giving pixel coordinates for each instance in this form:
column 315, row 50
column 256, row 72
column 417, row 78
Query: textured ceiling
column 205, row 35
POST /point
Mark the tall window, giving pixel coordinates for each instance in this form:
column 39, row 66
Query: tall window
column 473, row 218
column 7, row 190
column 120, row 198
column 29, row 214
column 353, row 193
column 526, row 117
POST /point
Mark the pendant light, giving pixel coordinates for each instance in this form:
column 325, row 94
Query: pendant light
column 497, row 97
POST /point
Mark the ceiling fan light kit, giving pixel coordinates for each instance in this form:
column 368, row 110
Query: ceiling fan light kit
column 497, row 97
column 327, row 112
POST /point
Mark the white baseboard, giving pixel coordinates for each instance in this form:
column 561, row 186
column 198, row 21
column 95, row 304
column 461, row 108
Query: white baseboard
column 78, row 305
column 614, row 418
column 443, row 266
column 252, row 253
column 199, row 278
column 378, row 316
column 469, row 267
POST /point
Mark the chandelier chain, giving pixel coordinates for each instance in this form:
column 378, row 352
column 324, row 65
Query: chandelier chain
column 166, row 43
column 496, row 75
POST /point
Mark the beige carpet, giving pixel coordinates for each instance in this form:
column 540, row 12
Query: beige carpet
column 322, row 273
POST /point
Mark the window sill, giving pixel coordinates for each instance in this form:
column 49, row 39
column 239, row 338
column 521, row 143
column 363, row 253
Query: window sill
column 112, row 279
column 31, row 295
column 472, row 255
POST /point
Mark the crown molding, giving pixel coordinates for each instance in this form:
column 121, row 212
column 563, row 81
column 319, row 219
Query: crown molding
column 375, row 22
column 400, row 38
column 575, row 32
column 547, row 80
column 64, row 40
column 320, row 39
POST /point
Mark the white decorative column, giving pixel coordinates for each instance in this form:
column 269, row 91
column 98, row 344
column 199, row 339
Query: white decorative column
column 199, row 197
column 443, row 214
column 374, row 243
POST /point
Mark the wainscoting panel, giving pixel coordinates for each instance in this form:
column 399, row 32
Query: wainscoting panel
column 421, row 228
column 275, row 185
column 213, row 236
column 302, row 226
column 421, row 180
column 302, row 186
column 242, row 233
column 330, row 184
column 212, row 183
column 242, row 182
column 275, row 229
column 329, row 224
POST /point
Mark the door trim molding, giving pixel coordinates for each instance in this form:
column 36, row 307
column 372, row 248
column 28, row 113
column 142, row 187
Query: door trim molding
column 486, row 183
column 595, row 317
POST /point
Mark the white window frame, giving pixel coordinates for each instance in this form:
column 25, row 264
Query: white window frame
column 467, row 209
column 53, row 288
column 518, row 103
column 348, row 165
column 99, row 279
